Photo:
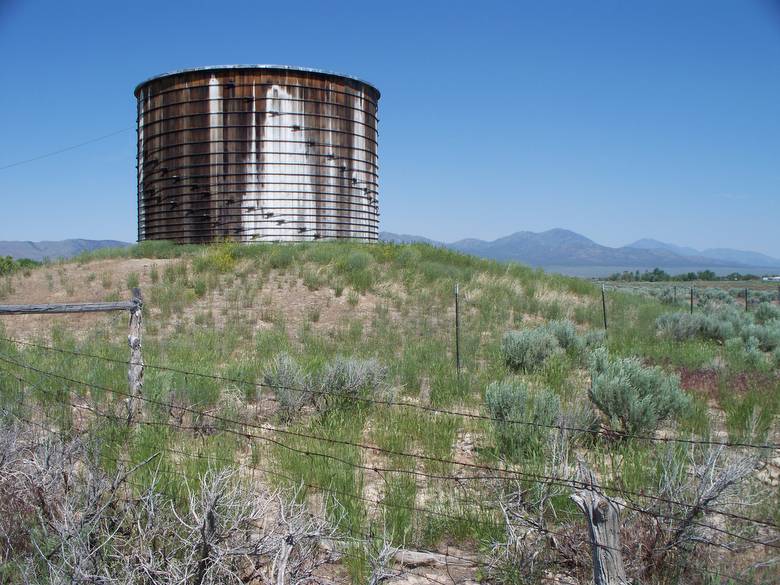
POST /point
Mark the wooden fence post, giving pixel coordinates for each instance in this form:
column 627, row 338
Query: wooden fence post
column 135, row 373
column 603, row 519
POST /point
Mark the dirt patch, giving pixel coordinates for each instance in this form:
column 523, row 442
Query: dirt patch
column 707, row 381
column 704, row 382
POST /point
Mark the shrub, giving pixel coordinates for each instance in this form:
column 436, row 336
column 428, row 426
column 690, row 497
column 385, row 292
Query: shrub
column 683, row 326
column 753, row 355
column 565, row 333
column 289, row 384
column 745, row 354
column 217, row 258
column 510, row 400
column 346, row 379
column 776, row 357
column 594, row 338
column 767, row 312
column 527, row 350
column 767, row 335
column 635, row 398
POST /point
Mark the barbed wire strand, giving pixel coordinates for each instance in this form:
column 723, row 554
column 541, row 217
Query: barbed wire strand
column 539, row 478
column 430, row 409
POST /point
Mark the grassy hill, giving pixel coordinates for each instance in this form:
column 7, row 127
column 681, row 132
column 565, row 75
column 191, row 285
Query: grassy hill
column 327, row 371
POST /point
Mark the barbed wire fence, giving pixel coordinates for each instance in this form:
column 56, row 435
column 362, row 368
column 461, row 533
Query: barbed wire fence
column 136, row 403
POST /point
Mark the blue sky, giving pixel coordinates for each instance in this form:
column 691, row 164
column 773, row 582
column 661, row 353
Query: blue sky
column 615, row 119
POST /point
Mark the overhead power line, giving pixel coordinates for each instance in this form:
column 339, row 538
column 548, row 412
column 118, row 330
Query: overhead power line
column 66, row 149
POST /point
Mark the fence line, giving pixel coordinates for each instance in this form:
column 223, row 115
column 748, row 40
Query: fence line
column 328, row 490
column 331, row 491
column 608, row 434
column 536, row 478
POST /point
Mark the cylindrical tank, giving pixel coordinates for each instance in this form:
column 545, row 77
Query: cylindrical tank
column 256, row 153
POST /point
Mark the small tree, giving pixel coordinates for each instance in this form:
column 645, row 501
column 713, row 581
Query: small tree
column 635, row 398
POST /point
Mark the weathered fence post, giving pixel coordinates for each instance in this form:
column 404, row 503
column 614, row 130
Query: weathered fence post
column 604, row 306
column 135, row 373
column 691, row 300
column 746, row 299
column 603, row 520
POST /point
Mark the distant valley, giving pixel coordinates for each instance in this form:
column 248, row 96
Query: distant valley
column 568, row 252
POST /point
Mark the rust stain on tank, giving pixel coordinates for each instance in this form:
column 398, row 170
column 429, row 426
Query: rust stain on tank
column 257, row 153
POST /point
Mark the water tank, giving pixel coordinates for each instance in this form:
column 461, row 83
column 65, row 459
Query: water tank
column 257, row 153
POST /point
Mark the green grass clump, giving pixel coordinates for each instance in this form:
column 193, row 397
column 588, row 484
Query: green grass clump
column 511, row 400
column 634, row 398
column 357, row 270
column 282, row 257
column 133, row 280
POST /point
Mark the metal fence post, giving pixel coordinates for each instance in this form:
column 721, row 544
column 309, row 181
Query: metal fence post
column 604, row 306
column 457, row 328
column 691, row 300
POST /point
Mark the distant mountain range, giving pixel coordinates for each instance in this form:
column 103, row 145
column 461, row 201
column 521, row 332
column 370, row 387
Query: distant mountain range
column 727, row 254
column 557, row 250
column 55, row 250
column 572, row 253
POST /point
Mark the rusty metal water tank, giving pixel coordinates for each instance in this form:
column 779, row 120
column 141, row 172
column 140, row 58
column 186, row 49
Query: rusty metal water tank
column 256, row 153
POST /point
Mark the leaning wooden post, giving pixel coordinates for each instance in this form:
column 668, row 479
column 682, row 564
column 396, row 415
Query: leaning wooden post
column 135, row 373
column 603, row 519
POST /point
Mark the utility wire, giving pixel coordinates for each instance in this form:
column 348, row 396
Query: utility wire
column 66, row 149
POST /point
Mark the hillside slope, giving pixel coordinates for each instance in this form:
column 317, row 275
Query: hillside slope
column 328, row 371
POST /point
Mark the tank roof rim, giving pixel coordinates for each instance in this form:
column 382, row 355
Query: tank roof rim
column 249, row 67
